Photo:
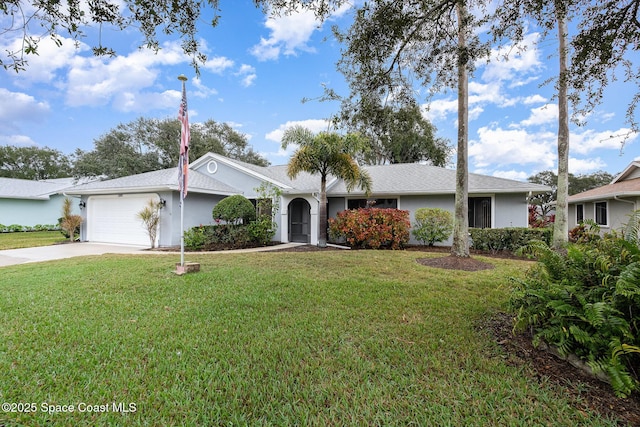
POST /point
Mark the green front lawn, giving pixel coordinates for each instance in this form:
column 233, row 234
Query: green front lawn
column 29, row 239
column 318, row 338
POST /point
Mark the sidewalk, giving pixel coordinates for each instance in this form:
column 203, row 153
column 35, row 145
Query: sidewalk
column 53, row 252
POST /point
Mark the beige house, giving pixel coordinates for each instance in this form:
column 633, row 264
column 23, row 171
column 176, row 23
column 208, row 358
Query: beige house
column 610, row 205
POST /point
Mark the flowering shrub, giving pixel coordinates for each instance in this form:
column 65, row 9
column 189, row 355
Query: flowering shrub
column 371, row 228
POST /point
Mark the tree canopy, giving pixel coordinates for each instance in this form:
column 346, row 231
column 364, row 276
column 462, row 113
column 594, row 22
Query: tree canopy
column 397, row 134
column 33, row 163
column 149, row 144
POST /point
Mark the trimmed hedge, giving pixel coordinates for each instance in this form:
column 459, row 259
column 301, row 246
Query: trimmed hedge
column 17, row 228
column 507, row 239
column 371, row 228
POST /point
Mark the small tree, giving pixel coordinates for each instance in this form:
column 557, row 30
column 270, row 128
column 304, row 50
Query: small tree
column 150, row 216
column 264, row 227
column 432, row 225
column 69, row 222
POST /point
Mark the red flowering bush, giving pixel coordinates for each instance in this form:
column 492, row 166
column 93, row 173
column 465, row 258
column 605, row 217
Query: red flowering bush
column 371, row 228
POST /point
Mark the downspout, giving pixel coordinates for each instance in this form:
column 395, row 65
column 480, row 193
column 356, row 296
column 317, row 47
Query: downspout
column 626, row 201
column 635, row 208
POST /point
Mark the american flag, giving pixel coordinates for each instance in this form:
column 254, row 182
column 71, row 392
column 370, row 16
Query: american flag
column 185, row 135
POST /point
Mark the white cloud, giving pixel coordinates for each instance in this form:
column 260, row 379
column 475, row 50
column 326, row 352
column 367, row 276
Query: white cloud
column 17, row 140
column 439, row 109
column 18, row 106
column 542, row 115
column 248, row 75
column 289, row 33
column 51, row 58
column 314, row 125
column 512, row 174
column 581, row 166
column 534, row 99
column 202, row 91
column 121, row 80
column 497, row 146
column 514, row 62
column 589, row 140
column 218, row 65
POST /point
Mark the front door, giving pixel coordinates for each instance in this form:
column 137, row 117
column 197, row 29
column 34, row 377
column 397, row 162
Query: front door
column 299, row 221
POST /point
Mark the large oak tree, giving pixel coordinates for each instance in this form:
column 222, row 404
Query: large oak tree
column 149, row 144
column 33, row 162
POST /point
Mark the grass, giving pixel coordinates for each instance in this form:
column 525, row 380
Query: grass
column 334, row 338
column 29, row 239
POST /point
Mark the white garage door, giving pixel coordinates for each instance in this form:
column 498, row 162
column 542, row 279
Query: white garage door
column 113, row 219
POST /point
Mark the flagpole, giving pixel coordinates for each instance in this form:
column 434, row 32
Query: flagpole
column 183, row 79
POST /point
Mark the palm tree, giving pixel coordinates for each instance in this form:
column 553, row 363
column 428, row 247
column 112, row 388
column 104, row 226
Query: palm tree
column 327, row 153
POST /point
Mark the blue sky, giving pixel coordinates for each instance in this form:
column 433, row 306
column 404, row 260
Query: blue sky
column 259, row 70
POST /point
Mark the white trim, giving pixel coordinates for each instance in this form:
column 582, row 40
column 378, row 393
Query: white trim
column 626, row 171
column 212, row 165
column 231, row 163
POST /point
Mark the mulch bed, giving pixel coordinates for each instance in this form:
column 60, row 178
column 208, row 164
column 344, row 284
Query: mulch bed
column 586, row 392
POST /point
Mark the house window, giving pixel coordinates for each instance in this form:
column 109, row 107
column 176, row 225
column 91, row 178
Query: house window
column 601, row 213
column 579, row 214
column 372, row 203
column 263, row 206
column 480, row 212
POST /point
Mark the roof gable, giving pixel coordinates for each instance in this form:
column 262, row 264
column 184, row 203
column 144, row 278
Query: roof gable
column 626, row 184
column 217, row 165
column 630, row 172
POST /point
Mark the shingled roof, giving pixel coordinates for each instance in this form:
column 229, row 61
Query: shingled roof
column 12, row 188
column 165, row 179
column 409, row 178
column 630, row 188
column 415, row 178
column 627, row 184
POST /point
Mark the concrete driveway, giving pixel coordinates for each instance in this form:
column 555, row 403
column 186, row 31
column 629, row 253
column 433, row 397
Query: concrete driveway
column 46, row 253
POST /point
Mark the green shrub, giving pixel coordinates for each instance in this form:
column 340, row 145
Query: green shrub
column 432, row 225
column 225, row 236
column 371, row 228
column 234, row 210
column 14, row 228
column 262, row 230
column 195, row 238
column 507, row 239
column 218, row 237
column 586, row 301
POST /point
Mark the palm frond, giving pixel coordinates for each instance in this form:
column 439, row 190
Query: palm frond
column 631, row 230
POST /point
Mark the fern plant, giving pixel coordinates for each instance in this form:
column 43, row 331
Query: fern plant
column 586, row 301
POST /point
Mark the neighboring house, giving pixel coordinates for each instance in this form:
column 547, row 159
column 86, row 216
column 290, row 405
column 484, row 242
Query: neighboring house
column 111, row 206
column 29, row 203
column 610, row 205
